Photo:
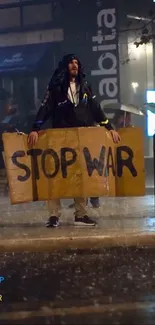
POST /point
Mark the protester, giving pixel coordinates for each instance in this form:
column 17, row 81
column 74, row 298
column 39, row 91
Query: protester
column 69, row 102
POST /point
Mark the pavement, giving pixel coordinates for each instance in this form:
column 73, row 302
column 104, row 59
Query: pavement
column 100, row 275
column 121, row 221
column 114, row 286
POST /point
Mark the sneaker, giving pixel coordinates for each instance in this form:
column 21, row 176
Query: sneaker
column 53, row 222
column 84, row 221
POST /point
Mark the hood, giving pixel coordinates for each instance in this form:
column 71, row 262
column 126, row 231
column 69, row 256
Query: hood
column 67, row 59
column 60, row 76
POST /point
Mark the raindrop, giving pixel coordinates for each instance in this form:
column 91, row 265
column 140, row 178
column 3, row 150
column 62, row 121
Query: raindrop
column 25, row 299
column 129, row 276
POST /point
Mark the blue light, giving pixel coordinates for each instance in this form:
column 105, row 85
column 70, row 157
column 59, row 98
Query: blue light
column 150, row 96
column 150, row 99
column 150, row 123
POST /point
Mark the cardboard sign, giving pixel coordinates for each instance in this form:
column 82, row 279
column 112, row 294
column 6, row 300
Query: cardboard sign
column 68, row 163
column 131, row 154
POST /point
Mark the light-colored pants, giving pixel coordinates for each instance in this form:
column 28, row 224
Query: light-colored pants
column 54, row 207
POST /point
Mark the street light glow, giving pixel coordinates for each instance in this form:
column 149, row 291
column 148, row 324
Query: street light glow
column 134, row 85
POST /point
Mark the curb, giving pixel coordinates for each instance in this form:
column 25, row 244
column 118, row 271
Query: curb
column 75, row 311
column 51, row 244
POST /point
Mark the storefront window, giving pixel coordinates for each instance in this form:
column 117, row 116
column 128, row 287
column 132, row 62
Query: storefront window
column 5, row 2
column 42, row 85
column 136, row 74
column 23, row 90
column 7, row 85
column 37, row 14
column 9, row 17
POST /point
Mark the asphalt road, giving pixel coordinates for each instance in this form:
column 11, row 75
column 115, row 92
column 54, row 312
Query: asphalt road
column 112, row 286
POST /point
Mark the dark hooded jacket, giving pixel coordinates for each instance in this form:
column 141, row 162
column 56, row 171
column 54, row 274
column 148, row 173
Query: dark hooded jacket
column 62, row 112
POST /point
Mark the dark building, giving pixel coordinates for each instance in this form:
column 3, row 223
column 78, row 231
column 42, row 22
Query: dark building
column 34, row 34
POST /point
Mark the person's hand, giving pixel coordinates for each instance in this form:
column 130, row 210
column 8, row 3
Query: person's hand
column 116, row 137
column 33, row 138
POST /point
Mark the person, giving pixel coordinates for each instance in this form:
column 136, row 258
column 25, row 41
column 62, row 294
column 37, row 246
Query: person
column 95, row 202
column 69, row 102
column 122, row 119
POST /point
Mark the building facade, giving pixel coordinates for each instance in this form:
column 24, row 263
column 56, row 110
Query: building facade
column 34, row 34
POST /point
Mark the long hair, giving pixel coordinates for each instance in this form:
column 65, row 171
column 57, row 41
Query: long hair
column 61, row 76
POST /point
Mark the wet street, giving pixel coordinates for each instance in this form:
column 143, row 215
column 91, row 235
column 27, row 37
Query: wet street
column 110, row 286
column 101, row 275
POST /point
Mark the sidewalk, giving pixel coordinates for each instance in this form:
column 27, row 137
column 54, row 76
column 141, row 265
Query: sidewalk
column 121, row 221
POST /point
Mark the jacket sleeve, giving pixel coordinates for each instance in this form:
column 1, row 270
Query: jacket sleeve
column 45, row 110
column 98, row 113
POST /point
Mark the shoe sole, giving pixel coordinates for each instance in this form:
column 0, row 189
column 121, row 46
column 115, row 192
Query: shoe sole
column 48, row 226
column 82, row 224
